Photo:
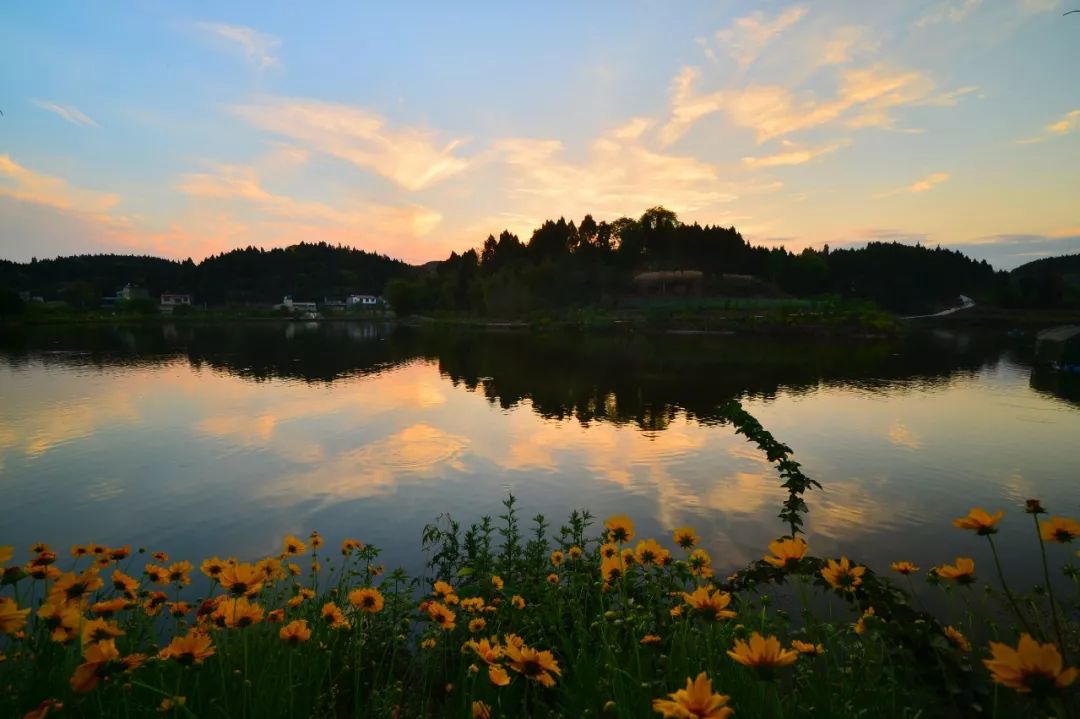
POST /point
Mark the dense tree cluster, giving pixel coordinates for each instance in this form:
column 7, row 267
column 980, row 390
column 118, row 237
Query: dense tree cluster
column 563, row 264
column 249, row 275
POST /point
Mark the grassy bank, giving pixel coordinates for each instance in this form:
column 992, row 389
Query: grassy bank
column 519, row 618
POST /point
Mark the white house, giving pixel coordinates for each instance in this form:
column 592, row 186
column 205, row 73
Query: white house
column 362, row 301
column 171, row 300
column 293, row 306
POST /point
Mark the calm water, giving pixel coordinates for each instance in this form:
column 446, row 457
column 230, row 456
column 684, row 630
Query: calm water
column 207, row 440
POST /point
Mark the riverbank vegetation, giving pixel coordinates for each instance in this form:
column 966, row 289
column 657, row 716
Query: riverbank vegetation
column 520, row 618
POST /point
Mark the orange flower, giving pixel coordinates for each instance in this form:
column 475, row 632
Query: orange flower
column 497, row 582
column 843, row 575
column 787, row 552
column 808, row 648
column 1030, row 667
column 649, row 551
column 96, row 630
column 99, row 660
column 295, row 632
column 903, row 567
column 696, row 701
column 212, row 567
column 979, row 521
column 70, row 587
column 178, row 572
column 620, row 528
column 685, row 537
column 498, row 676
column 193, row 648
column 351, row 545
column 557, row 558
column 711, row 604
column 367, row 599
column 62, row 619
column 574, row 552
column 12, row 619
column 553, row 578
column 476, row 625
column 480, row 710
column 241, row 579
column 649, row 639
column 612, row 569
column 334, row 616
column 962, row 572
column 860, row 625
column 123, row 583
column 536, row 665
column 156, row 574
column 700, row 563
column 517, row 601
column 763, row 654
column 1059, row 529
column 237, row 612
column 294, row 546
column 957, row 639
column 487, row 649
column 440, row 614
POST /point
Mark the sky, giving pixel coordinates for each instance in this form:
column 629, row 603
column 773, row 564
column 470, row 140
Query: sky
column 188, row 129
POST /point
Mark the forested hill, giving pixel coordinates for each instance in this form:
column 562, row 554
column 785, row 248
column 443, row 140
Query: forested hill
column 307, row 271
column 1049, row 282
column 564, row 264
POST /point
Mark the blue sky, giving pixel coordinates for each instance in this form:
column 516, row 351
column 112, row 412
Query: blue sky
column 188, row 129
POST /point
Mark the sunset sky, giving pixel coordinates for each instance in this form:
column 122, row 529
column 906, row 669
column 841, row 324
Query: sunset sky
column 184, row 129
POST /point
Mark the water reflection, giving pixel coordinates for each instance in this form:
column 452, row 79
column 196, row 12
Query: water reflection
column 205, row 439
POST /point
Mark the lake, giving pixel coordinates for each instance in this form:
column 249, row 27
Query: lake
column 202, row 440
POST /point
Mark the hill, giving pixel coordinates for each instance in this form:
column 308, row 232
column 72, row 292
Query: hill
column 1047, row 282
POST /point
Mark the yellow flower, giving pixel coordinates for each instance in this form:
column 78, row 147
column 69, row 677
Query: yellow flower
column 612, row 569
column 650, row 639
column 700, row 563
column 480, row 710
column 764, row 654
column 61, row 618
column 12, row 619
column 6, row 553
column 979, row 521
column 957, row 639
column 178, row 572
column 178, row 609
column 963, row 571
column 333, row 615
column 156, row 574
column 159, row 556
column 271, row 569
column 1059, row 529
column 696, row 701
column 787, row 552
column 649, row 551
column 685, row 537
column 574, row 552
column 536, row 665
column 498, row 676
column 712, row 604
column 293, row 545
column 517, row 601
column 237, row 612
column 351, row 545
column 609, row 550
column 99, row 660
column 808, row 648
column 860, row 626
column 620, row 529
column 557, row 558
column 843, row 575
column 903, row 567
column 212, row 567
column 96, row 630
column 476, row 625
column 497, row 582
column 1030, row 667
column 428, row 644
column 241, row 579
column 368, row 599
column 295, row 632
column 472, row 605
column 70, row 587
column 487, row 649
column 441, row 615
column 442, row 590
column 316, row 539
column 124, row 583
column 553, row 578
column 193, row 648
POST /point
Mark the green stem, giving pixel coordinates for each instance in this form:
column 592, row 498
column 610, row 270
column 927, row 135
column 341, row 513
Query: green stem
column 1050, row 591
column 1005, row 586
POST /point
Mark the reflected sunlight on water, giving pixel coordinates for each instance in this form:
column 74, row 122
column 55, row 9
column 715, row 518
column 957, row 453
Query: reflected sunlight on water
column 210, row 444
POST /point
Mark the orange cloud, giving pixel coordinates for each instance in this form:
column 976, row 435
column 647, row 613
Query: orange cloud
column 749, row 35
column 24, row 184
column 409, row 157
column 259, row 48
column 792, row 155
column 924, row 185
